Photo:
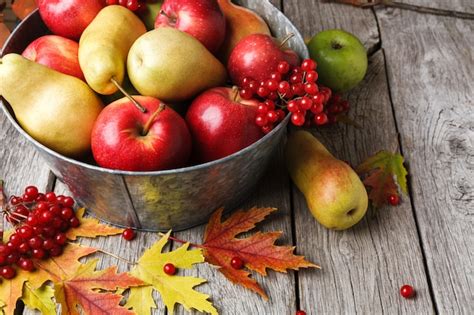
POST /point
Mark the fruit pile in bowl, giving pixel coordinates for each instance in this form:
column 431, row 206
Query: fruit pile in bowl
column 149, row 112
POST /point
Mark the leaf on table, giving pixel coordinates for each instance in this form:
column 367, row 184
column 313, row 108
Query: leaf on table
column 141, row 300
column 22, row 8
column 381, row 170
column 257, row 251
column 40, row 298
column 173, row 289
column 90, row 227
column 54, row 269
column 81, row 289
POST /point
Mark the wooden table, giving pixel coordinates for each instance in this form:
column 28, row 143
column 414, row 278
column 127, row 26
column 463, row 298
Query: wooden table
column 416, row 99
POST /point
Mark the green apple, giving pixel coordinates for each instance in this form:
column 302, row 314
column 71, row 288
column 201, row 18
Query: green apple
column 341, row 58
column 149, row 15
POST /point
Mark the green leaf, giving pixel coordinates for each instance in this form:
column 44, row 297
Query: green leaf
column 40, row 298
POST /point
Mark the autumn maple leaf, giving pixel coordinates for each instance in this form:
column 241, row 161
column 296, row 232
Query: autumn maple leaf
column 257, row 251
column 380, row 172
column 172, row 288
column 90, row 227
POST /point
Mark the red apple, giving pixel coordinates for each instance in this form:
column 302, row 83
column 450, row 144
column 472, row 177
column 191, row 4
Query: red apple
column 124, row 138
column 202, row 19
column 221, row 123
column 56, row 52
column 69, row 18
column 257, row 56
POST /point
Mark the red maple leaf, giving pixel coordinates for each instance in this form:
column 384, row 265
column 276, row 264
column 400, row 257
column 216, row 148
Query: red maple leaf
column 257, row 251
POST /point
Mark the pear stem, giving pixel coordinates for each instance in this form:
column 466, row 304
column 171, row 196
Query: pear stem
column 152, row 118
column 235, row 89
column 134, row 101
column 286, row 39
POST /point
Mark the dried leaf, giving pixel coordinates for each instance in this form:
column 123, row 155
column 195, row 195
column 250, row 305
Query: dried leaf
column 173, row 289
column 22, row 8
column 79, row 289
column 381, row 170
column 4, row 33
column 91, row 227
column 257, row 251
column 40, row 298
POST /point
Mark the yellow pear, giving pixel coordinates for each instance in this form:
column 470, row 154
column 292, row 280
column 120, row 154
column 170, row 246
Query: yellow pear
column 334, row 192
column 56, row 109
column 104, row 46
column 172, row 66
column 240, row 22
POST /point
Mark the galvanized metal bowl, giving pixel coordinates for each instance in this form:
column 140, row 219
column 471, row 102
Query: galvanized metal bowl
column 172, row 199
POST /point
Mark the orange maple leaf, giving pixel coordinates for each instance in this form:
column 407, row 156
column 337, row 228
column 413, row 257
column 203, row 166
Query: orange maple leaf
column 90, row 227
column 79, row 290
column 257, row 251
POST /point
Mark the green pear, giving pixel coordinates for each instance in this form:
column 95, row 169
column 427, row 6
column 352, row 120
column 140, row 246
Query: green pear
column 172, row 66
column 104, row 46
column 56, row 109
column 334, row 193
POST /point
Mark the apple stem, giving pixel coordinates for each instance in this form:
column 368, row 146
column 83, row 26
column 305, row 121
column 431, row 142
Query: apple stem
column 286, row 39
column 235, row 89
column 134, row 101
column 152, row 118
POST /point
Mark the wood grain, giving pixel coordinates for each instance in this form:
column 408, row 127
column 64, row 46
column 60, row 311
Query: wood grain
column 456, row 5
column 431, row 79
column 311, row 17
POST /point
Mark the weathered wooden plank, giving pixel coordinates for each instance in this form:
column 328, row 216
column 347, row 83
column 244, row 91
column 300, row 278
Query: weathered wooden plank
column 311, row 17
column 456, row 5
column 429, row 61
column 272, row 191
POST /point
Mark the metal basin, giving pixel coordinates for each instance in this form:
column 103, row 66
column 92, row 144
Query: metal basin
column 172, row 199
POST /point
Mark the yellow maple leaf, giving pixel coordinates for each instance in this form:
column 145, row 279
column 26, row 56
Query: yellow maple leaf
column 141, row 300
column 173, row 289
column 90, row 227
column 39, row 298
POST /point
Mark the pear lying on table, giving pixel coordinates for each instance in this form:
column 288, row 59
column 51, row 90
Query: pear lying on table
column 104, row 47
column 172, row 65
column 56, row 109
column 334, row 192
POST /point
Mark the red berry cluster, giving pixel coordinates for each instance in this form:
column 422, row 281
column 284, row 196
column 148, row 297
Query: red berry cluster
column 132, row 5
column 41, row 221
column 294, row 89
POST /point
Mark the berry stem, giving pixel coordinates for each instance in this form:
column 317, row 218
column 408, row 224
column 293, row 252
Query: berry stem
column 286, row 39
column 180, row 241
column 150, row 120
column 116, row 256
column 134, row 101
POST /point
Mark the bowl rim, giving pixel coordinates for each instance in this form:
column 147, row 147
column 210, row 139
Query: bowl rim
column 91, row 167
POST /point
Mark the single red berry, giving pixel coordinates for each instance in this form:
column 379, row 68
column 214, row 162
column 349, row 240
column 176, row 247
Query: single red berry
column 273, row 95
column 236, row 262
column 45, row 216
column 262, row 109
column 266, row 129
column 272, row 116
column 128, row 234
column 32, row 220
column 394, row 200
column 60, row 239
column 292, row 106
column 407, row 291
column 4, row 250
column 311, row 88
column 132, row 5
column 281, row 114
column 50, row 197
column 317, row 108
column 48, row 244
column 56, row 250
column 169, row 269
column 35, row 242
column 3, row 260
column 298, row 89
column 275, row 76
column 308, row 65
column 321, row 119
column 57, row 223
column 67, row 213
column 283, row 67
column 40, row 197
column 305, row 103
column 300, row 313
column 74, row 222
column 42, row 205
column 12, row 258
column 55, row 210
column 49, row 231
column 123, row 3
column 246, row 93
column 262, row 91
column 284, row 87
column 25, row 231
column 15, row 239
column 32, row 192
column 27, row 198
column 297, row 119
column 8, row 272
column 38, row 253
column 23, row 248
column 261, row 120
column 246, row 81
column 26, row 264
column 252, row 86
column 296, row 70
column 60, row 199
column 15, row 200
column 296, row 78
column 272, row 85
column 311, row 76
